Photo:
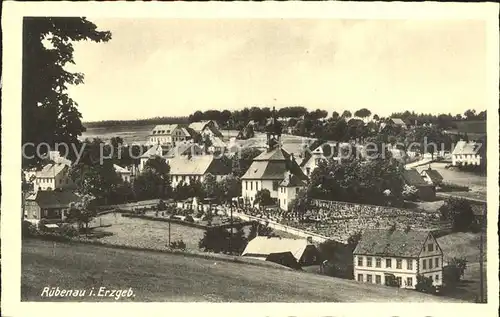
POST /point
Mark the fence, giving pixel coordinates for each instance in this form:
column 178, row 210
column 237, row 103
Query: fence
column 281, row 227
column 131, row 206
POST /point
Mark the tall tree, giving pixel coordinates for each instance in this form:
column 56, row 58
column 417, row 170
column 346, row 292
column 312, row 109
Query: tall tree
column 346, row 114
column 159, row 167
column 48, row 113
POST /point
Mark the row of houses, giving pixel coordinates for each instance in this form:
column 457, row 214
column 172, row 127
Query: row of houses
column 382, row 256
column 170, row 134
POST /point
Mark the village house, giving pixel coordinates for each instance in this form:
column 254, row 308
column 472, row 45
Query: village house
column 188, row 168
column 122, row 172
column 52, row 204
column 206, row 128
column 393, row 122
column 293, row 253
column 385, row 254
column 52, row 176
column 268, row 171
column 432, row 177
column 168, row 134
column 323, row 153
column 155, row 150
column 467, row 153
column 288, row 190
column 426, row 191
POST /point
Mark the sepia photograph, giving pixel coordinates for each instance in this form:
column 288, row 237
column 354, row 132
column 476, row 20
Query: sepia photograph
column 268, row 160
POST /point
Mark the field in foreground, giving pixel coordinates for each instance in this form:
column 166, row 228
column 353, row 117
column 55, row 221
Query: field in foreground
column 169, row 277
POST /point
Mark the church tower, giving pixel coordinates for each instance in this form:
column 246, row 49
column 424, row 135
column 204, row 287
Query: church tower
column 273, row 131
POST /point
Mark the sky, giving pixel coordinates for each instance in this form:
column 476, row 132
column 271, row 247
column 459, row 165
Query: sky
column 173, row 67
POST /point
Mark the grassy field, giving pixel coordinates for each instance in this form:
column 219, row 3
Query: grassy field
column 145, row 233
column 465, row 244
column 168, row 277
column 461, row 244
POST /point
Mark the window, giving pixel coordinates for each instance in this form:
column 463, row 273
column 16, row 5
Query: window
column 360, row 277
column 423, row 248
column 436, row 260
column 424, row 264
column 275, row 185
column 399, row 280
column 251, row 185
column 369, row 261
column 308, row 170
column 297, row 191
column 360, row 261
column 378, row 279
column 246, row 185
column 378, row 262
column 369, row 278
column 284, row 202
column 388, row 263
column 437, row 278
column 430, row 263
column 430, row 247
column 399, row 264
column 409, row 264
column 256, row 185
column 409, row 281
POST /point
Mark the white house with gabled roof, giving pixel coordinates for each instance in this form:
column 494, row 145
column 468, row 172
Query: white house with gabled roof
column 402, row 255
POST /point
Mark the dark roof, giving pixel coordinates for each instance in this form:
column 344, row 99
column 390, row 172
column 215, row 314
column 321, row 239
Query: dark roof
column 273, row 165
column 386, row 242
column 266, row 170
column 55, row 198
column 434, row 175
column 413, row 178
column 277, row 154
column 292, row 181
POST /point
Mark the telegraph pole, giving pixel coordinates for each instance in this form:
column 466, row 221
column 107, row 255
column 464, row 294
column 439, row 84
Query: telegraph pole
column 169, row 223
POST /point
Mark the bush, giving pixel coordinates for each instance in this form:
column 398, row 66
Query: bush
column 459, row 212
column 68, row 231
column 424, row 285
column 178, row 245
column 28, row 229
column 161, row 205
column 41, row 225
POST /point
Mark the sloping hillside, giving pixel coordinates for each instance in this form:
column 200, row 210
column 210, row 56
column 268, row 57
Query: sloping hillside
column 169, row 277
column 461, row 244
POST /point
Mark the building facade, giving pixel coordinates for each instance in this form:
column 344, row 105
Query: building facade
column 466, row 153
column 385, row 255
column 52, row 176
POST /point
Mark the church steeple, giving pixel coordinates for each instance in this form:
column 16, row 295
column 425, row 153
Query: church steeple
column 273, row 131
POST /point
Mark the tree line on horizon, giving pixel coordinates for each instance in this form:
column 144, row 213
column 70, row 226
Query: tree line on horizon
column 238, row 119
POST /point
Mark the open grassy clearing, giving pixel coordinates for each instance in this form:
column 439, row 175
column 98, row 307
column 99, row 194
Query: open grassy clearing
column 461, row 244
column 169, row 277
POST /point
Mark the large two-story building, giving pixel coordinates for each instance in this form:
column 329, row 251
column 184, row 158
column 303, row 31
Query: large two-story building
column 52, row 176
column 385, row 254
column 168, row 134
